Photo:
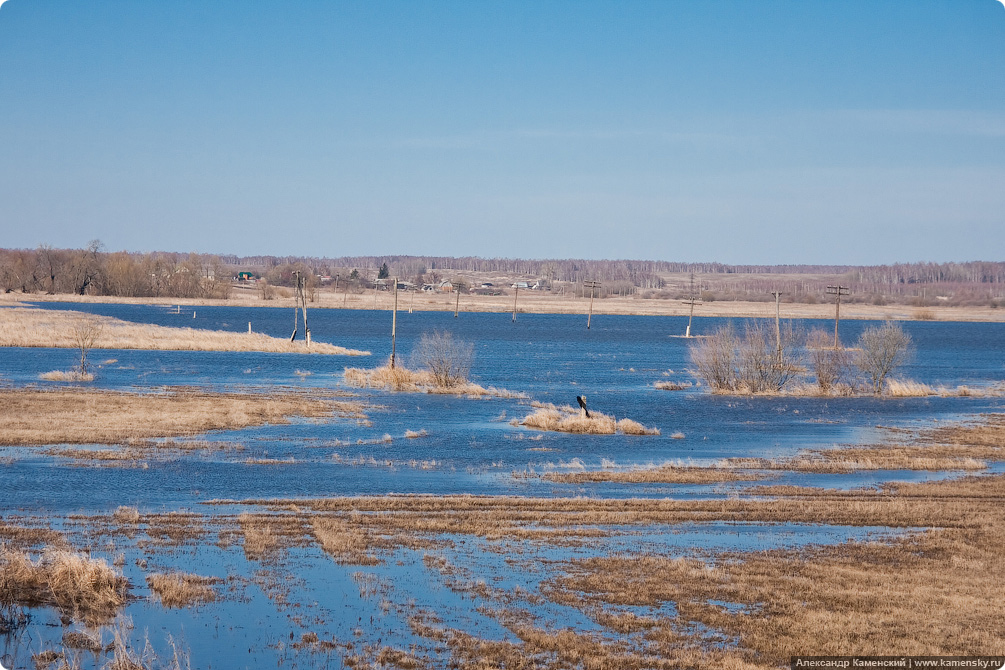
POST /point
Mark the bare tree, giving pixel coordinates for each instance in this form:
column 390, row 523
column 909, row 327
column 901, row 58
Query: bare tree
column 882, row 349
column 448, row 359
column 86, row 332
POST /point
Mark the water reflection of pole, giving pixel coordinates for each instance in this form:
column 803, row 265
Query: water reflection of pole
column 394, row 320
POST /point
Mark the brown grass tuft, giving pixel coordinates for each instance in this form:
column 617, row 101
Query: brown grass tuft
column 178, row 589
column 79, row 586
column 567, row 419
column 67, row 376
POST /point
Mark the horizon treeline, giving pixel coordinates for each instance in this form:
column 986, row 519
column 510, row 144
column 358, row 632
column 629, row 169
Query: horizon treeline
column 169, row 274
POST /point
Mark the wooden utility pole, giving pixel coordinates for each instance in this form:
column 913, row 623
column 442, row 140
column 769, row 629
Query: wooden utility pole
column 296, row 308
column 336, row 285
column 411, row 301
column 692, row 301
column 302, row 281
column 457, row 289
column 394, row 320
column 837, row 291
column 515, row 294
column 593, row 286
column 778, row 326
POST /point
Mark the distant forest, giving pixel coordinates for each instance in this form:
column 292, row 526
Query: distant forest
column 93, row 271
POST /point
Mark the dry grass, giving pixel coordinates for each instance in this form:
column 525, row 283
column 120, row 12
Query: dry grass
column 907, row 388
column 672, row 386
column 664, row 474
column 179, row 589
column 347, row 543
column 26, row 327
column 402, row 379
column 937, row 592
column 67, row 376
column 79, row 586
column 566, row 419
column 34, row 417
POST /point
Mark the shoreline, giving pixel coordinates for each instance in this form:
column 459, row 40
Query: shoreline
column 530, row 302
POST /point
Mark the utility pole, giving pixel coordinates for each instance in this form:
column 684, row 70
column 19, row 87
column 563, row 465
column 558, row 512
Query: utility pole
column 457, row 289
column 593, row 286
column 515, row 294
column 336, row 285
column 394, row 320
column 302, row 281
column 837, row 291
column 296, row 308
column 778, row 327
column 692, row 301
column 411, row 301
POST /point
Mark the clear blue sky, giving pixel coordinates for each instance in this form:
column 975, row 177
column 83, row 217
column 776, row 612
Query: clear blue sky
column 753, row 131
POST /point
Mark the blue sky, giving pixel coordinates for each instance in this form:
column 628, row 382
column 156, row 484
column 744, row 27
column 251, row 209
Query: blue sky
column 737, row 131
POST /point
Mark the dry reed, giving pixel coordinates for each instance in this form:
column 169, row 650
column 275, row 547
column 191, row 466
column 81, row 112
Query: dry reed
column 67, row 376
column 28, row 327
column 79, row 586
column 178, row 589
column 566, row 419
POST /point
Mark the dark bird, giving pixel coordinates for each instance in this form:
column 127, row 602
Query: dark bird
column 581, row 399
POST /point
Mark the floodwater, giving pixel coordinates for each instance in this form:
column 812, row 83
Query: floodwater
column 470, row 447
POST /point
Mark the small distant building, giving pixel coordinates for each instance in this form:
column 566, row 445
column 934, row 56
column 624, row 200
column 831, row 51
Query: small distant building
column 245, row 276
column 487, row 284
column 520, row 284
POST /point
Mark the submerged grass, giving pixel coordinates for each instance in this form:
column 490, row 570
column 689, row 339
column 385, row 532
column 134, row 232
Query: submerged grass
column 30, row 327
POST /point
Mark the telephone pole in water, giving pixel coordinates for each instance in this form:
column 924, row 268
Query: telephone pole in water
column 692, row 300
column 778, row 326
column 593, row 286
column 837, row 291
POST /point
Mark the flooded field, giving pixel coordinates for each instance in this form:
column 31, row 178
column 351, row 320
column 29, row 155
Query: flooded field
column 424, row 530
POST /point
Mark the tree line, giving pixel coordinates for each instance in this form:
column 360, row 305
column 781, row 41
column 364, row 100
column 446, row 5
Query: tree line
column 94, row 271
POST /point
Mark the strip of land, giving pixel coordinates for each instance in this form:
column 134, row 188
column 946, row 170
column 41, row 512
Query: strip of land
column 34, row 417
column 543, row 302
column 28, row 327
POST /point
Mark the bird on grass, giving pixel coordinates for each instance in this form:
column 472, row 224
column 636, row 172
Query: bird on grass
column 581, row 399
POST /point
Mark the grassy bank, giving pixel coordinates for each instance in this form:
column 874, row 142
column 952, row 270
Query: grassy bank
column 28, row 327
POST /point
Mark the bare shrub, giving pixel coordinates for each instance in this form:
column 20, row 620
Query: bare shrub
column 714, row 359
column 448, row 359
column 755, row 363
column 830, row 365
column 882, row 349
